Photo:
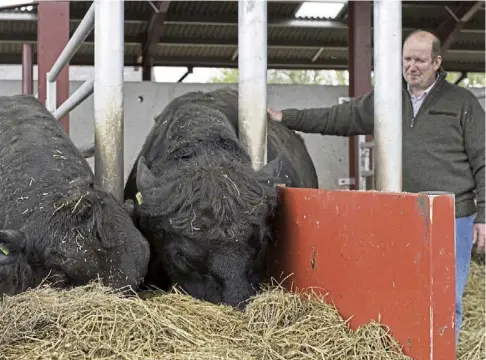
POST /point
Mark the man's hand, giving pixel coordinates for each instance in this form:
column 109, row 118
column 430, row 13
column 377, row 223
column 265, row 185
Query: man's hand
column 274, row 115
column 479, row 235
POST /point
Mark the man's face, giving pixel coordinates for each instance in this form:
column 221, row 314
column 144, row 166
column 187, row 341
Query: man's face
column 419, row 69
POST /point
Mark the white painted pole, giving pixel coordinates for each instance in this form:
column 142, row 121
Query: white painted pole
column 108, row 95
column 252, row 79
column 387, row 33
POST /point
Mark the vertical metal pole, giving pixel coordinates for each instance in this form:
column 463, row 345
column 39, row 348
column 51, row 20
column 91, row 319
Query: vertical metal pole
column 27, row 69
column 360, row 65
column 52, row 37
column 388, row 94
column 108, row 95
column 252, row 79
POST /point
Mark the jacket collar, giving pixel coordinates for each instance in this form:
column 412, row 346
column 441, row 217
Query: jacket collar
column 442, row 74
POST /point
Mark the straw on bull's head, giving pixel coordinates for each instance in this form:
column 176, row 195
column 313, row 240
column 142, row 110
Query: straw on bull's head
column 210, row 228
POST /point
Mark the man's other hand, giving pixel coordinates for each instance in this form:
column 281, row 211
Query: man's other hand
column 274, row 115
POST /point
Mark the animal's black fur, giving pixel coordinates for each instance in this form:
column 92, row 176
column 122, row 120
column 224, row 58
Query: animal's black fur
column 205, row 211
column 15, row 272
column 72, row 229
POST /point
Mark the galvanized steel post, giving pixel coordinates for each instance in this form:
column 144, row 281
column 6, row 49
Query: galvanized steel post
column 252, row 79
column 388, row 94
column 108, row 95
column 27, row 69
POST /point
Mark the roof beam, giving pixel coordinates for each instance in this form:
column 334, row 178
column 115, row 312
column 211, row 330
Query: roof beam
column 448, row 30
column 225, row 62
column 152, row 36
column 217, row 21
column 317, row 45
column 229, row 42
column 155, row 27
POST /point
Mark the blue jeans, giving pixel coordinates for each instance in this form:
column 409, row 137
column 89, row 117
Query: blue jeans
column 464, row 239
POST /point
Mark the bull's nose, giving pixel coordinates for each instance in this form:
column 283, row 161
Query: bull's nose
column 126, row 285
column 241, row 306
column 239, row 302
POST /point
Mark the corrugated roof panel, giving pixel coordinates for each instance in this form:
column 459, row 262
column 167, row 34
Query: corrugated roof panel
column 133, row 9
column 228, row 8
column 133, row 49
column 16, row 28
column 424, row 13
column 194, row 51
column 289, row 53
column 283, row 9
column 86, row 49
column 416, row 14
column 135, row 29
column 230, row 33
column 329, row 35
column 464, row 57
column 131, row 28
column 332, row 54
column 203, row 8
column 10, row 48
column 79, row 6
column 470, row 40
column 206, row 31
column 478, row 19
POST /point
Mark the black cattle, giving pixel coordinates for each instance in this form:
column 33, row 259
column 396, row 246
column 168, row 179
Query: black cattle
column 15, row 273
column 204, row 210
column 59, row 225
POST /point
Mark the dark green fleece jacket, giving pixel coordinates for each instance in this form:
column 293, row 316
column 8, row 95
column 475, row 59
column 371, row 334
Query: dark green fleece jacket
column 443, row 146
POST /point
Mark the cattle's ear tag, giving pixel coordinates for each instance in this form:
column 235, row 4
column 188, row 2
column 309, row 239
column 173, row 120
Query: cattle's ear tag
column 4, row 250
column 139, row 198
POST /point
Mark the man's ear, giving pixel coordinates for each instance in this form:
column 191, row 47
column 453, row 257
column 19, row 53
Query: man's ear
column 437, row 62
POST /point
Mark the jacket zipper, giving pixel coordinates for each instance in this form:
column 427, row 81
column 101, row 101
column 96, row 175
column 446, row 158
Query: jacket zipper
column 412, row 121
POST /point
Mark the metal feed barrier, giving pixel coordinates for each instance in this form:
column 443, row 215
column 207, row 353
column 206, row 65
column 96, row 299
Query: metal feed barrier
column 415, row 271
column 107, row 18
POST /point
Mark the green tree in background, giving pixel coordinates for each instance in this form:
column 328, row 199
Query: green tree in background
column 329, row 77
column 321, row 77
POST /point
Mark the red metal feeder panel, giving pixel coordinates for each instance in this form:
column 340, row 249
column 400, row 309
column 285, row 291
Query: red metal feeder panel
column 383, row 256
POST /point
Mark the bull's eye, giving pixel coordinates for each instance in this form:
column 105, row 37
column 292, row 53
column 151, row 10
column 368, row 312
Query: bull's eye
column 4, row 250
column 4, row 258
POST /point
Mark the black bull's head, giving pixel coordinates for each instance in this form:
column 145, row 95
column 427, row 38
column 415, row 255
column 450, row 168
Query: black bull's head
column 209, row 239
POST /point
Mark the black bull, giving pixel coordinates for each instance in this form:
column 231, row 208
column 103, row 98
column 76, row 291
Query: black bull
column 55, row 222
column 200, row 204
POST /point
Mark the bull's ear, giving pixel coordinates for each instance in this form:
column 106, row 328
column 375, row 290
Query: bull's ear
column 272, row 169
column 11, row 241
column 145, row 178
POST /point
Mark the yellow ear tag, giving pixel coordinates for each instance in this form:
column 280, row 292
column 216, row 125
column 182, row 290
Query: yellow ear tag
column 139, row 198
column 4, row 250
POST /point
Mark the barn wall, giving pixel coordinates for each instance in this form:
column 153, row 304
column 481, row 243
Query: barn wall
column 330, row 154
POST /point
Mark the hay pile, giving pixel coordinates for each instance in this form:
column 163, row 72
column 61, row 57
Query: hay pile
column 471, row 344
column 93, row 323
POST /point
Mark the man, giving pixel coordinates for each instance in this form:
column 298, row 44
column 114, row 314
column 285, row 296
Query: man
column 443, row 141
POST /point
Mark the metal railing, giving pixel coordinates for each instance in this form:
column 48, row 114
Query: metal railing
column 74, row 43
column 107, row 18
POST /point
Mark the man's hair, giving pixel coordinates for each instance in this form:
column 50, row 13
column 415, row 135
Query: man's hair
column 435, row 42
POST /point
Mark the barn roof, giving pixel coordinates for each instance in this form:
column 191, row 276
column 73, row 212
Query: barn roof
column 205, row 34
